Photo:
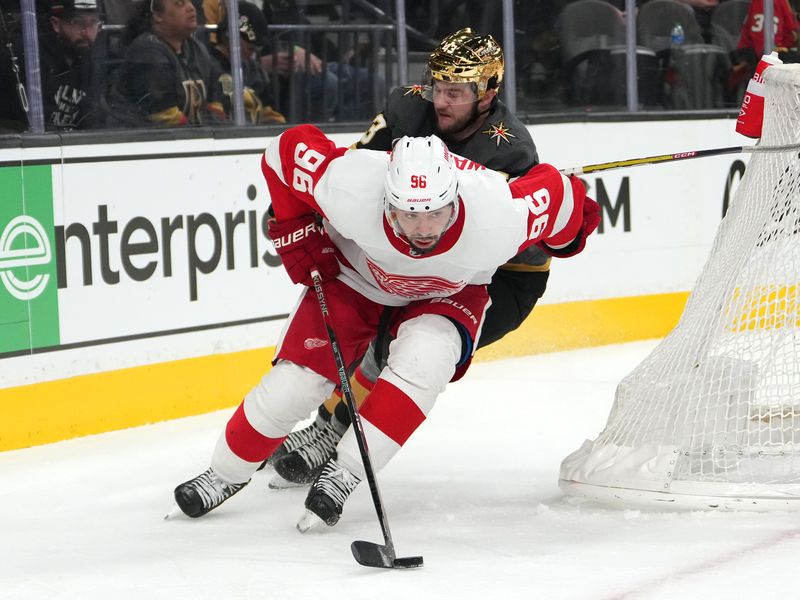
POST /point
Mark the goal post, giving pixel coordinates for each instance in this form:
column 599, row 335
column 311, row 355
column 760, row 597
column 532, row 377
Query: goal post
column 711, row 418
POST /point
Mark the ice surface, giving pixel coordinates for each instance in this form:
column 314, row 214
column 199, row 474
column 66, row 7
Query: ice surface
column 474, row 491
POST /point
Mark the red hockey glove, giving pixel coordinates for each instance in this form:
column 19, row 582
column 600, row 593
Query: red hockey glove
column 302, row 246
column 591, row 216
column 590, row 220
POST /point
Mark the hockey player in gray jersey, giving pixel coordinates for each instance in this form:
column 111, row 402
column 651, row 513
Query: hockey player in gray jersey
column 460, row 105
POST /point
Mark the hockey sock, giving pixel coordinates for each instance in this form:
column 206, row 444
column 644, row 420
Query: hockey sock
column 241, row 449
column 323, row 415
column 247, row 443
column 329, row 406
column 361, row 386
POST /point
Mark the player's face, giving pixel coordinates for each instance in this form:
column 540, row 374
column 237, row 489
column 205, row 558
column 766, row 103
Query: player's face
column 78, row 31
column 423, row 230
column 455, row 104
column 177, row 17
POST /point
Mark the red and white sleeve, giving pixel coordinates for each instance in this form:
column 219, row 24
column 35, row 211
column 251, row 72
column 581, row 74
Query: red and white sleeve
column 292, row 165
column 555, row 205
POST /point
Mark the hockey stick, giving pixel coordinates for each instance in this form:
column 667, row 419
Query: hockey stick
column 368, row 554
column 651, row 160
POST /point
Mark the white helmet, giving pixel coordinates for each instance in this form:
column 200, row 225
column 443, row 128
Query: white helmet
column 421, row 177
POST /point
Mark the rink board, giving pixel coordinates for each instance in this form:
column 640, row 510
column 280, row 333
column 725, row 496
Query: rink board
column 137, row 285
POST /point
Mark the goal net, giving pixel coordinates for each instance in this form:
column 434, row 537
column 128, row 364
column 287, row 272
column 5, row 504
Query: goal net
column 711, row 418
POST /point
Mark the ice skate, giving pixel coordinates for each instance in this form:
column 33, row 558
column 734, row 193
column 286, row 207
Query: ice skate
column 292, row 442
column 327, row 496
column 304, row 464
column 204, row 493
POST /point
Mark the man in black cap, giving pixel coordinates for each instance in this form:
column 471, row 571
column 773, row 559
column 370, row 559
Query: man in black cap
column 66, row 67
column 252, row 37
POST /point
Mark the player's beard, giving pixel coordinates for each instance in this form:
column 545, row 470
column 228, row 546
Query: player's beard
column 461, row 125
column 425, row 250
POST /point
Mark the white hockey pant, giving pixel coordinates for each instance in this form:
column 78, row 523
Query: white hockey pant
column 283, row 397
column 422, row 360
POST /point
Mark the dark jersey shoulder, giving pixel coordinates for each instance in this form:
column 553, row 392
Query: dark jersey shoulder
column 502, row 143
column 406, row 113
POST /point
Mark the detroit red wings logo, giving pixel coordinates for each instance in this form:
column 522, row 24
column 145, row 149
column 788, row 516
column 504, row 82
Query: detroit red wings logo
column 412, row 287
column 314, row 343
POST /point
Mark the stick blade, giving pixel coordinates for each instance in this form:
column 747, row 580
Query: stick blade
column 380, row 556
column 372, row 555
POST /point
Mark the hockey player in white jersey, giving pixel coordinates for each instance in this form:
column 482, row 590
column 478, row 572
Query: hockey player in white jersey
column 417, row 232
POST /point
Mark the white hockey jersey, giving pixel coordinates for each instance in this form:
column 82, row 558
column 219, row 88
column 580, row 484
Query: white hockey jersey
column 305, row 171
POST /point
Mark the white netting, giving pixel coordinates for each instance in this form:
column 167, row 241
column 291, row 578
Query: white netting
column 712, row 416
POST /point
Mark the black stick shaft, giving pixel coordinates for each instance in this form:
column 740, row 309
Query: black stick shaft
column 358, row 428
column 661, row 158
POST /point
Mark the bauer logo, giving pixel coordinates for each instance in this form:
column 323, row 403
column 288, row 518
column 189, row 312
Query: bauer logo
column 28, row 294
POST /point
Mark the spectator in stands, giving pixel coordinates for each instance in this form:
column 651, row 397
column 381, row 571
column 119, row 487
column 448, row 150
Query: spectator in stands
column 169, row 77
column 786, row 28
column 65, row 46
column 213, row 14
column 303, row 72
column 258, row 99
column 324, row 75
column 275, row 60
column 751, row 42
column 12, row 114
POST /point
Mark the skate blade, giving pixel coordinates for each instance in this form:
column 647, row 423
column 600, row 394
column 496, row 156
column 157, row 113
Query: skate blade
column 308, row 521
column 279, row 483
column 173, row 513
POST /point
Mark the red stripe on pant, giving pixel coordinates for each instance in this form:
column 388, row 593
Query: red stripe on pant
column 247, row 443
column 392, row 411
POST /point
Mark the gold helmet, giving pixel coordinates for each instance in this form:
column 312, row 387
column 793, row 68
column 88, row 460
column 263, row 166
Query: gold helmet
column 464, row 57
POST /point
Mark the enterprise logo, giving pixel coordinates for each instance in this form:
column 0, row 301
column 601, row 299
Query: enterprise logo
column 35, row 251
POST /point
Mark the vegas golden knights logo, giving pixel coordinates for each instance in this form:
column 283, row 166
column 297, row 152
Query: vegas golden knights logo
column 195, row 92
